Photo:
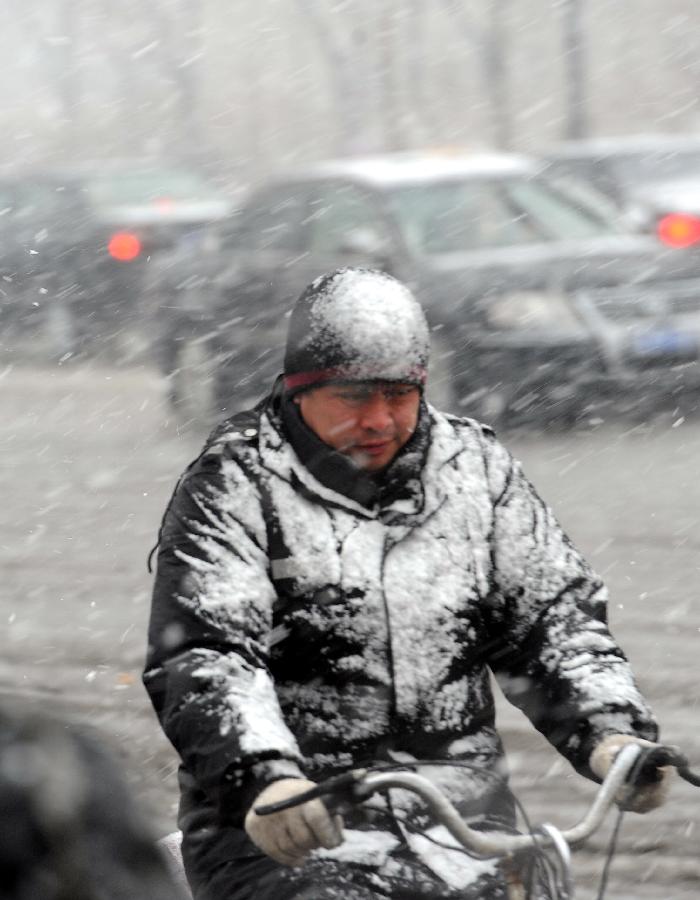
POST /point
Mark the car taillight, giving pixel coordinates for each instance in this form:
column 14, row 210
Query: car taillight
column 679, row 230
column 124, row 246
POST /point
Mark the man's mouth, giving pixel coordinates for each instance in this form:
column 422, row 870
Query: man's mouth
column 373, row 448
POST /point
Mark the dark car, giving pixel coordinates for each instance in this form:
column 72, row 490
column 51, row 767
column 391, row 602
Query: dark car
column 653, row 179
column 77, row 244
column 540, row 306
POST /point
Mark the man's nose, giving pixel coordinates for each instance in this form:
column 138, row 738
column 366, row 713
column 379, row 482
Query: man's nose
column 376, row 414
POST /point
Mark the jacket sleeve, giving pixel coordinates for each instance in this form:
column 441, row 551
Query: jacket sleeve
column 552, row 652
column 206, row 669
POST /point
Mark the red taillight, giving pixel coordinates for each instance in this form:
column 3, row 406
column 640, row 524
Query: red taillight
column 124, row 246
column 679, row 230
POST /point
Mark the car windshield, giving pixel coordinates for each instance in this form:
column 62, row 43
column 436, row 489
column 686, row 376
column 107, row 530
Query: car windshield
column 657, row 165
column 457, row 215
column 149, row 187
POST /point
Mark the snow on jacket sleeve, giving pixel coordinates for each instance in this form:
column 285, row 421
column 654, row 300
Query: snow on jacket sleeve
column 206, row 670
column 554, row 656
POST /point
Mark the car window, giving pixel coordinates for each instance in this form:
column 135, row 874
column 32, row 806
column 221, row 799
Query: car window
column 451, row 217
column 7, row 200
column 7, row 203
column 160, row 185
column 457, row 216
column 272, row 220
column 584, row 194
column 558, row 214
column 36, row 200
column 655, row 165
column 339, row 217
column 587, row 170
column 34, row 210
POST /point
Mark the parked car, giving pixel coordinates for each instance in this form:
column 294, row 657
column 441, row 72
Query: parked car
column 77, row 243
column 653, row 179
column 540, row 305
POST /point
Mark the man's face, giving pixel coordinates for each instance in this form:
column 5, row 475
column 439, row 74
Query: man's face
column 369, row 421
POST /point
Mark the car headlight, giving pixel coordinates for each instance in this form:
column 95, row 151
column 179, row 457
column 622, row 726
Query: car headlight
column 530, row 311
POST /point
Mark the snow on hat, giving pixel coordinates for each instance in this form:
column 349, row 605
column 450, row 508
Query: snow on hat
column 356, row 325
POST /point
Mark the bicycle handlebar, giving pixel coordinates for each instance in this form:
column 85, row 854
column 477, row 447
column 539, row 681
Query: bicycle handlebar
column 487, row 843
column 631, row 764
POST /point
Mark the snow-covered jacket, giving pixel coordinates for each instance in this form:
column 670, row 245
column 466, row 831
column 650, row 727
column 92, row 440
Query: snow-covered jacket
column 296, row 630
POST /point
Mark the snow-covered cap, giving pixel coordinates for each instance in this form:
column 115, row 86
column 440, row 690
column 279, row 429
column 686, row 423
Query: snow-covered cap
column 356, row 325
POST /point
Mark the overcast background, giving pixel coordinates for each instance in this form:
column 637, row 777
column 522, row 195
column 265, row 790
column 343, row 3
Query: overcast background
column 246, row 86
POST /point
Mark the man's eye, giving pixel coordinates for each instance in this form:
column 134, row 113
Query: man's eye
column 395, row 393
column 353, row 398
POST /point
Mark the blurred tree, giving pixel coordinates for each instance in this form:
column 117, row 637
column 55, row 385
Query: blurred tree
column 486, row 37
column 576, row 100
column 138, row 63
column 347, row 43
column 422, row 122
column 177, row 29
column 48, row 33
column 154, row 51
column 64, row 59
column 256, row 84
column 388, row 78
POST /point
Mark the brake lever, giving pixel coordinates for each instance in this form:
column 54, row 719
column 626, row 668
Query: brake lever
column 339, row 793
column 646, row 767
column 680, row 761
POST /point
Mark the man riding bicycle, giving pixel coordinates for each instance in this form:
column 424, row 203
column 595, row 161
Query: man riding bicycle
column 338, row 573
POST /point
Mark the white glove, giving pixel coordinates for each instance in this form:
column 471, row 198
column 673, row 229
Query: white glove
column 639, row 799
column 288, row 836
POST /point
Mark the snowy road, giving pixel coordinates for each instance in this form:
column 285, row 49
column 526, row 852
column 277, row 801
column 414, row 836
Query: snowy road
column 87, row 461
